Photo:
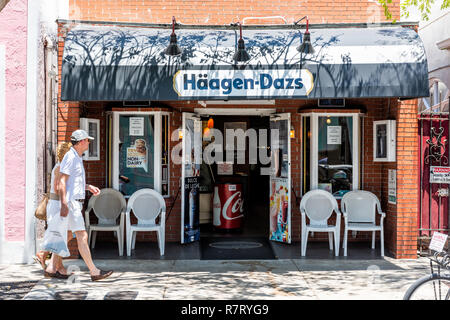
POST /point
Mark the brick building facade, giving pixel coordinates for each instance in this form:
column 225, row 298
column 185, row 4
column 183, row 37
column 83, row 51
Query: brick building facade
column 401, row 221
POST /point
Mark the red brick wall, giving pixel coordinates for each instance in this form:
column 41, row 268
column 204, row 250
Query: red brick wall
column 400, row 224
column 227, row 11
column 407, row 180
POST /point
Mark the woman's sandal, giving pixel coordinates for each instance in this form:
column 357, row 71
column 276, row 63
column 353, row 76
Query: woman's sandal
column 41, row 262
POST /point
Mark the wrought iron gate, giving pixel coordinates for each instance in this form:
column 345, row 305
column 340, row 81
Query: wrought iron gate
column 434, row 213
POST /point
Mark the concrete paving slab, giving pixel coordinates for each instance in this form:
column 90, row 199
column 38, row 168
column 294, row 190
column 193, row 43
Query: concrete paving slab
column 383, row 279
column 287, row 279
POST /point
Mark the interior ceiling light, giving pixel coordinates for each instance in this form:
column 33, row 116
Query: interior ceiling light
column 306, row 46
column 173, row 49
column 292, row 132
column 241, row 54
column 210, row 123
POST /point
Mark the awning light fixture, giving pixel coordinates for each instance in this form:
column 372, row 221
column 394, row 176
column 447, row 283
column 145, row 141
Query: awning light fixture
column 173, row 49
column 241, row 54
column 306, row 46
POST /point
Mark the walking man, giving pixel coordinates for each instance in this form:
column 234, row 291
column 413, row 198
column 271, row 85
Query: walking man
column 72, row 186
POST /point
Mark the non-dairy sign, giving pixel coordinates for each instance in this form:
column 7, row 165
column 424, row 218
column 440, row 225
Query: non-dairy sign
column 440, row 175
column 243, row 83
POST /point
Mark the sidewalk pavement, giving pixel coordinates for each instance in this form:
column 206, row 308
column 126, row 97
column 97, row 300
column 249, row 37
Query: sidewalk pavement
column 287, row 279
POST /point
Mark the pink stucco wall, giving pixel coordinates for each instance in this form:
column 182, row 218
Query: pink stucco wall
column 13, row 35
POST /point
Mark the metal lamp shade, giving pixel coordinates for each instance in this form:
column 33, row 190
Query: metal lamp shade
column 173, row 49
column 306, row 46
column 241, row 54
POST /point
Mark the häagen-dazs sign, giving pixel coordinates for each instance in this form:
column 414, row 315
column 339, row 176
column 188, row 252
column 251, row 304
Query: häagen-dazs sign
column 243, row 83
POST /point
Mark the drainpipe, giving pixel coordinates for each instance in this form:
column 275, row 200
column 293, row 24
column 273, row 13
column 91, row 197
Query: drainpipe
column 49, row 74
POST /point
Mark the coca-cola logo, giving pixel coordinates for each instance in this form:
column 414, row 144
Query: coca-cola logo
column 236, row 204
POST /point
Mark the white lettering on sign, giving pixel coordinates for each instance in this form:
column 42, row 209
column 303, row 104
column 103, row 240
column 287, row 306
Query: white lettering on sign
column 440, row 175
column 235, row 207
column 438, row 241
column 243, row 83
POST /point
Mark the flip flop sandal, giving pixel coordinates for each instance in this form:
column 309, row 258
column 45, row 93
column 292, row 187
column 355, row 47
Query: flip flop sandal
column 40, row 262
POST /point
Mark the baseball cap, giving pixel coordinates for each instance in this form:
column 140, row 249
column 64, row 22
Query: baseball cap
column 79, row 135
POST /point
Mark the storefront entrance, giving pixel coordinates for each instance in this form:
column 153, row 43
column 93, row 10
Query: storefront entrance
column 236, row 185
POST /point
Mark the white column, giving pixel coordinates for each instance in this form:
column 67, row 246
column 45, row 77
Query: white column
column 31, row 128
column 157, row 152
column 314, row 157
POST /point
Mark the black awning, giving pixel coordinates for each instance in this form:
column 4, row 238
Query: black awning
column 127, row 63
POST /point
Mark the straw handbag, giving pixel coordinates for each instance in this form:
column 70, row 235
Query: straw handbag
column 41, row 210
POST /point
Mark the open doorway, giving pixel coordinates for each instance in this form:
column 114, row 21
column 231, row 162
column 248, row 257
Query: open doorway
column 239, row 202
column 246, row 175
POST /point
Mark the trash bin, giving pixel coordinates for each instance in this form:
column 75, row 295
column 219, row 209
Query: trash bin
column 228, row 211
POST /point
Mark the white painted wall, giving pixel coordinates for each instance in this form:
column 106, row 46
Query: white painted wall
column 436, row 29
column 432, row 32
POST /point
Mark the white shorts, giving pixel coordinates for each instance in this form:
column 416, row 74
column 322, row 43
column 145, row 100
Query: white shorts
column 76, row 221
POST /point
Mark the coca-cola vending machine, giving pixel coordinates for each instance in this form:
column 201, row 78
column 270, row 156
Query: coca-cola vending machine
column 228, row 206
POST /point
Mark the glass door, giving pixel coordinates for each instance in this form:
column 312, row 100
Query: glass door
column 330, row 152
column 280, row 178
column 192, row 159
column 136, row 149
column 335, row 154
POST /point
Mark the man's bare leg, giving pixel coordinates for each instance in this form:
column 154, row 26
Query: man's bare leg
column 85, row 252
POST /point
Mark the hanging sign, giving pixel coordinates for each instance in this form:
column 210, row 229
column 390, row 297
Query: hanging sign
column 136, row 126
column 334, row 134
column 440, row 175
column 225, row 168
column 243, row 83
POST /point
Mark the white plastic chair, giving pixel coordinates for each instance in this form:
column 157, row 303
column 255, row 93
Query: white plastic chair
column 107, row 207
column 318, row 206
column 358, row 208
column 147, row 205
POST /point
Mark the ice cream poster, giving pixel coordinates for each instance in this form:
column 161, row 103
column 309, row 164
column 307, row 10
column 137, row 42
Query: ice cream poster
column 279, row 210
column 137, row 155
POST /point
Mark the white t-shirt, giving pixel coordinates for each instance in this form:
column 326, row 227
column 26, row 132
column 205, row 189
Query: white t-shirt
column 72, row 165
